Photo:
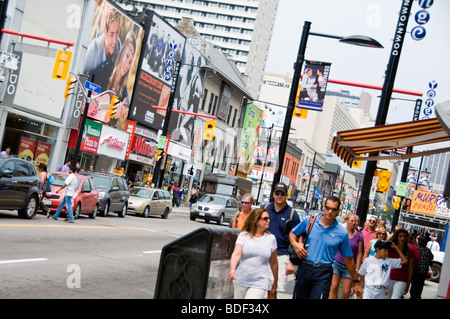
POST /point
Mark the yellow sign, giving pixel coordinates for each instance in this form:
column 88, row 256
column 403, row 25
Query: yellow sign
column 424, row 202
column 62, row 64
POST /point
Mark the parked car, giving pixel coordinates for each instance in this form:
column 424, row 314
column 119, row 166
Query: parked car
column 301, row 213
column 436, row 265
column 113, row 192
column 150, row 201
column 85, row 200
column 214, row 207
column 19, row 186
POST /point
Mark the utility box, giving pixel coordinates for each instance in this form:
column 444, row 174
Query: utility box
column 197, row 265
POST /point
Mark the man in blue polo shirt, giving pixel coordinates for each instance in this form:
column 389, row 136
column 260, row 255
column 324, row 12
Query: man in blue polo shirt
column 326, row 238
column 282, row 221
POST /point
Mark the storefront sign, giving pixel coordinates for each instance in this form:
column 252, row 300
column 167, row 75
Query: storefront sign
column 91, row 138
column 131, row 128
column 113, row 142
column 425, row 202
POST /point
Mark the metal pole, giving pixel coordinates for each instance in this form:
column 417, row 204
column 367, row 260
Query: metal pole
column 291, row 104
column 158, row 171
column 383, row 107
column 264, row 164
column 309, row 182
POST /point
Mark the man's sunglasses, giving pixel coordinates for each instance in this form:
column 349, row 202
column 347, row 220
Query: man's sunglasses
column 334, row 210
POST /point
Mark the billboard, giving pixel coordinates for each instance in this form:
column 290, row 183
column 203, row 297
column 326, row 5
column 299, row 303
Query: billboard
column 188, row 94
column 162, row 47
column 314, row 85
column 112, row 58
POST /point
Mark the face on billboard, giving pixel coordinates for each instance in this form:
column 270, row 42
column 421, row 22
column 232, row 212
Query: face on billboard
column 163, row 47
column 111, row 59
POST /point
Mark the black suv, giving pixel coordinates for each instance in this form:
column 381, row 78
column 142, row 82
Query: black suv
column 113, row 192
column 19, row 186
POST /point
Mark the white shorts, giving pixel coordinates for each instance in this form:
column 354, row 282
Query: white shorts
column 243, row 292
column 283, row 261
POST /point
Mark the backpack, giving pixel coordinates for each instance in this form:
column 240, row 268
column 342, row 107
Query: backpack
column 234, row 220
column 46, row 186
column 51, row 179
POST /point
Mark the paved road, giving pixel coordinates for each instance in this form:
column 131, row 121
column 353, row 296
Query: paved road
column 105, row 258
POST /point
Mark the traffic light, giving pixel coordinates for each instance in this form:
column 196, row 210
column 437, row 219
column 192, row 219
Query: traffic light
column 70, row 84
column 208, row 134
column 356, row 163
column 396, row 200
column 159, row 154
column 383, row 181
column 112, row 109
column 62, row 63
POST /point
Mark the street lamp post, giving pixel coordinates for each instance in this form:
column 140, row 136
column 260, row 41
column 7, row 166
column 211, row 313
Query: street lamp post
column 356, row 40
column 386, row 93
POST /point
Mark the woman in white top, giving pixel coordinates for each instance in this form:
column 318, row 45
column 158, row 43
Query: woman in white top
column 255, row 252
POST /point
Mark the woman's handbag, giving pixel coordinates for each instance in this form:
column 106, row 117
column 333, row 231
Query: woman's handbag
column 293, row 256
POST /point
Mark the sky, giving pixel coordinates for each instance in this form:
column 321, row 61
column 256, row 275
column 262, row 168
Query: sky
column 420, row 61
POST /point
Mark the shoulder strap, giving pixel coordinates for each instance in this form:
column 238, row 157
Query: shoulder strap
column 312, row 219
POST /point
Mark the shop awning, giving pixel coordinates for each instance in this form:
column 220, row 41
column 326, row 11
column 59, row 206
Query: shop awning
column 395, row 137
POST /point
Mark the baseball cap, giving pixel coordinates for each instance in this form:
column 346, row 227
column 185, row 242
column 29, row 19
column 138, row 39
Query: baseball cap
column 382, row 244
column 281, row 187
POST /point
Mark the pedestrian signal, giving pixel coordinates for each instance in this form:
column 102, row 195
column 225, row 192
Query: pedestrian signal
column 70, row 84
column 208, row 134
column 383, row 181
column 113, row 108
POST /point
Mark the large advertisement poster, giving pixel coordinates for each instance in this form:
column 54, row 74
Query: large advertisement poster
column 112, row 58
column 188, row 95
column 314, row 85
column 163, row 47
column 249, row 137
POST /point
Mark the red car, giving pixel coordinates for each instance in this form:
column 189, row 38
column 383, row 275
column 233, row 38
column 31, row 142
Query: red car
column 85, row 200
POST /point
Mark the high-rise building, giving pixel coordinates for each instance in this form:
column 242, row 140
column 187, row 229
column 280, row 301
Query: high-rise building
column 241, row 28
column 436, row 165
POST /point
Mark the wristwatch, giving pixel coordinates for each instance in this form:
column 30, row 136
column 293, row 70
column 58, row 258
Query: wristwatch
column 356, row 281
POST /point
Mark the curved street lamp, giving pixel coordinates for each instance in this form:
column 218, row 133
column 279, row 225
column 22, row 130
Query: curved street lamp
column 355, row 40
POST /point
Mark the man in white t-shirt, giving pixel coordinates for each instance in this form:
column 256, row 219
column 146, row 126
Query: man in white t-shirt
column 375, row 270
column 70, row 185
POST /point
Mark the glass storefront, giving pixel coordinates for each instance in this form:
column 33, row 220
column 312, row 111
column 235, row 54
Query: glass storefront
column 29, row 138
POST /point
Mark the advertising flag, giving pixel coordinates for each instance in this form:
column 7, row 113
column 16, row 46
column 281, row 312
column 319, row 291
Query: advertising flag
column 314, row 85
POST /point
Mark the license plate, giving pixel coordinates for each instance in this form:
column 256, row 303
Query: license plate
column 201, row 214
column 47, row 202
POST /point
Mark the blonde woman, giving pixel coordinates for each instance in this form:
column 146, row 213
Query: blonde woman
column 255, row 251
column 381, row 234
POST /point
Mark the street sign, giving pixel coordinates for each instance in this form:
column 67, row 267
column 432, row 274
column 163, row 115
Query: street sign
column 92, row 87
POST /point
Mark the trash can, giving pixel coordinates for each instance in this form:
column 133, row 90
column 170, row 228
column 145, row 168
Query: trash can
column 197, row 265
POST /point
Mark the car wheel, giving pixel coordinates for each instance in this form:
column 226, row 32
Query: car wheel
column 220, row 220
column 146, row 212
column 166, row 213
column 435, row 276
column 77, row 211
column 123, row 212
column 106, row 210
column 94, row 212
column 30, row 208
column 192, row 218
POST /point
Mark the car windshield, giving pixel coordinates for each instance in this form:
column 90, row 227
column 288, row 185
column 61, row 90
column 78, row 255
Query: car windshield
column 102, row 182
column 212, row 200
column 141, row 192
column 59, row 179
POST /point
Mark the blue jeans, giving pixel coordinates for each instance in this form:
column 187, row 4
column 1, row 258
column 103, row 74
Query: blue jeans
column 68, row 202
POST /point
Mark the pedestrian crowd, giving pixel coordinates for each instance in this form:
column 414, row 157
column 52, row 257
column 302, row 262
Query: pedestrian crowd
column 333, row 260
